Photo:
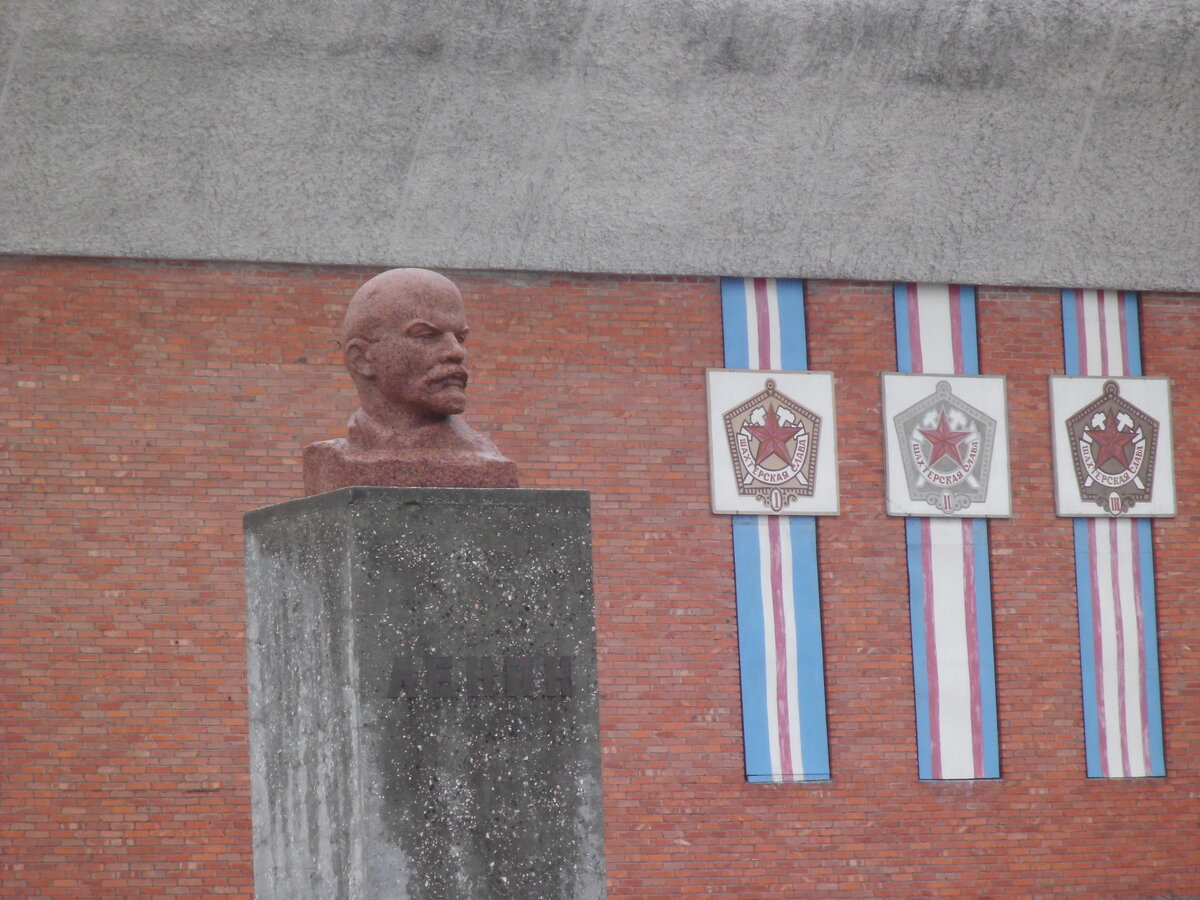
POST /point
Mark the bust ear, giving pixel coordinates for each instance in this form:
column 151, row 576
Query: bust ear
column 358, row 361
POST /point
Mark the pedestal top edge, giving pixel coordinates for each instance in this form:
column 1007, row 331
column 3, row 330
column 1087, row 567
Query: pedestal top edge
column 467, row 497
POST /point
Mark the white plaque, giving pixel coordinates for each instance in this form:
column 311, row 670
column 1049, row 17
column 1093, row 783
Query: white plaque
column 772, row 442
column 1112, row 446
column 947, row 445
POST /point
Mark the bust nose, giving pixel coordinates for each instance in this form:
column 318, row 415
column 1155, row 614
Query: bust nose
column 453, row 349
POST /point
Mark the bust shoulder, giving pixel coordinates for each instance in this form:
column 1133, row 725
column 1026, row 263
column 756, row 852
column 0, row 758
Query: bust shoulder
column 451, row 455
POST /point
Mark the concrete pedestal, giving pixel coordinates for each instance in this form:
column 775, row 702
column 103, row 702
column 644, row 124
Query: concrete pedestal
column 423, row 696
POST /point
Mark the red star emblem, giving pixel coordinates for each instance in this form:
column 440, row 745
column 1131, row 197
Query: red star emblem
column 1110, row 443
column 945, row 442
column 772, row 437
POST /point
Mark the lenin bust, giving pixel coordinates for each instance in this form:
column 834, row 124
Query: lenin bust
column 403, row 342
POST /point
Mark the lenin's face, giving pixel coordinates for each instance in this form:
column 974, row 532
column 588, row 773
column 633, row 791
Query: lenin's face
column 418, row 357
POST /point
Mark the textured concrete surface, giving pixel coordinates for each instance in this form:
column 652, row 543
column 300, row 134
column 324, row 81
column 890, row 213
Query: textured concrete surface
column 1028, row 142
column 423, row 697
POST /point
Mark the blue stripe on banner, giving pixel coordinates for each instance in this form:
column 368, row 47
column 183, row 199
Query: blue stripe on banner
column 987, row 656
column 1070, row 334
column 751, row 638
column 920, row 579
column 903, row 338
column 804, row 706
column 1153, row 701
column 793, row 344
column 1100, row 759
column 916, row 599
column 810, row 668
column 733, row 315
column 1129, row 306
column 1087, row 649
column 968, row 334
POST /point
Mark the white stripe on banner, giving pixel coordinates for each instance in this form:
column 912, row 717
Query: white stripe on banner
column 950, row 591
column 779, row 619
column 1114, row 571
column 1119, row 639
column 762, row 323
column 952, row 670
column 935, row 331
column 778, row 607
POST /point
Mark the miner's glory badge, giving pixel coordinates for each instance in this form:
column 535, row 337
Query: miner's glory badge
column 946, row 450
column 1112, row 447
column 773, row 441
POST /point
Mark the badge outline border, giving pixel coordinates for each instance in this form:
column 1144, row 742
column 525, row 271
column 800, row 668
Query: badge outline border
column 987, row 458
column 1151, row 462
column 770, row 388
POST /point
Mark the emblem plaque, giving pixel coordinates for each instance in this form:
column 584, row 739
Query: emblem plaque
column 771, row 453
column 1113, row 447
column 947, row 454
column 773, row 442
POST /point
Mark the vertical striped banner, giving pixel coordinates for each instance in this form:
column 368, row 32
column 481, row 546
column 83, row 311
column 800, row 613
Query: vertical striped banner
column 949, row 578
column 775, row 566
column 1114, row 571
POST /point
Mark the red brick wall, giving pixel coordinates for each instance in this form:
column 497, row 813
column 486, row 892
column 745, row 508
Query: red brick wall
column 147, row 405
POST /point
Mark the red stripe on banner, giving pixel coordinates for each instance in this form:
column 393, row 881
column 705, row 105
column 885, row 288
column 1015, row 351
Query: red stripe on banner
column 956, row 330
column 935, row 730
column 1114, row 566
column 1102, row 318
column 968, row 532
column 914, row 329
column 1081, row 333
column 763, row 313
column 1098, row 650
column 781, row 649
column 1135, row 537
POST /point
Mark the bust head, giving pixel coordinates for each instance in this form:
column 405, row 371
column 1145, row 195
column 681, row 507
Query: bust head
column 403, row 343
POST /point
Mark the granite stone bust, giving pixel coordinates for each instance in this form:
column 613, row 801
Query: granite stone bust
column 404, row 344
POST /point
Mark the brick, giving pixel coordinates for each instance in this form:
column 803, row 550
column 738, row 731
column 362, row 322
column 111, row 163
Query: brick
column 151, row 403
